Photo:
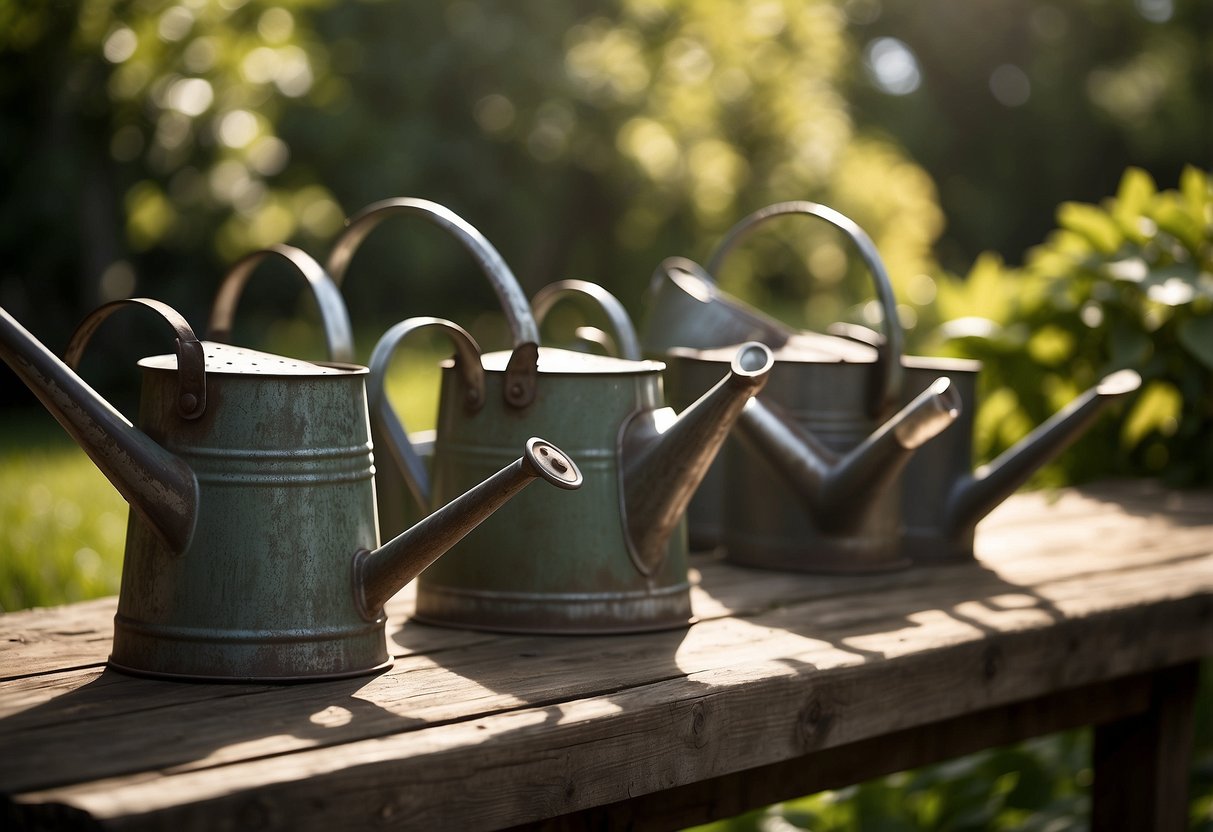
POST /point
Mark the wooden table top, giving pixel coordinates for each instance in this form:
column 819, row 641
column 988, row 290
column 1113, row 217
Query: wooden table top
column 472, row 730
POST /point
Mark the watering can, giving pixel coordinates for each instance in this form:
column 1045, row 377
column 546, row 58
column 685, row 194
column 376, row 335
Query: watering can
column 611, row 558
column 252, row 551
column 943, row 498
column 685, row 310
column 809, row 479
column 687, row 314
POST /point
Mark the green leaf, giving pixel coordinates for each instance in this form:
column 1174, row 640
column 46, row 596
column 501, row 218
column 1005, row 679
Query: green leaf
column 1156, row 409
column 1133, row 199
column 1093, row 224
column 1197, row 190
column 1196, row 334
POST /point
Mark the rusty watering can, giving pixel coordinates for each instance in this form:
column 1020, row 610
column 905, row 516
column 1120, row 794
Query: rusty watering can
column 611, row 558
column 817, row 428
column 942, row 498
column 687, row 313
column 810, row 480
column 252, row 551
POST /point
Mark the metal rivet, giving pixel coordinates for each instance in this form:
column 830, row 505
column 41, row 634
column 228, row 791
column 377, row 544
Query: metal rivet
column 189, row 402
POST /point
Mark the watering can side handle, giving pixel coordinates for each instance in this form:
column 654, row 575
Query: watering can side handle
column 338, row 335
column 626, row 342
column 191, row 360
column 471, row 375
column 522, row 371
column 889, row 379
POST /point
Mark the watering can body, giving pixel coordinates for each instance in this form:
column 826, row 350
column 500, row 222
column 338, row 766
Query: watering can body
column 286, row 496
column 810, row 476
column 548, row 566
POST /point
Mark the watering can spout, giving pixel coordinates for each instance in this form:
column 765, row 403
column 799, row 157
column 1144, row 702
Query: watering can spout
column 665, row 457
column 157, row 484
column 975, row 496
column 380, row 574
column 833, row 486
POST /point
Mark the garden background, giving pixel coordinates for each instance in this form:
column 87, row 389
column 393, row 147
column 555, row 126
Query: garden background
column 1034, row 174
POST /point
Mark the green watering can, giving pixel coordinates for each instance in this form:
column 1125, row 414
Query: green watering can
column 611, row 558
column 252, row 549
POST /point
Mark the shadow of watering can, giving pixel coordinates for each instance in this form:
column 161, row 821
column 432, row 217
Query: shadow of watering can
column 252, row 551
column 614, row 558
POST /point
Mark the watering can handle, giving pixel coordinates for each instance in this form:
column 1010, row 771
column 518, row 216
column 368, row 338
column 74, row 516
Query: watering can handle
column 337, row 333
column 471, row 374
column 889, row 377
column 191, row 359
column 626, row 343
column 522, row 370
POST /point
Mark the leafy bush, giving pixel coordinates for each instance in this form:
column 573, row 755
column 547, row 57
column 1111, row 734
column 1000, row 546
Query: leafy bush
column 1124, row 284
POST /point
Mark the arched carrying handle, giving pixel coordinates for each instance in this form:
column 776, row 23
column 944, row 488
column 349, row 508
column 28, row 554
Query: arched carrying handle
column 338, row 336
column 191, row 359
column 889, row 375
column 623, row 333
column 522, row 370
column 384, row 417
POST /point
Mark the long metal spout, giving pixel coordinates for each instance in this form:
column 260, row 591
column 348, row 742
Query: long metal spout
column 157, row 484
column 380, row 574
column 664, row 458
column 974, row 497
column 832, row 485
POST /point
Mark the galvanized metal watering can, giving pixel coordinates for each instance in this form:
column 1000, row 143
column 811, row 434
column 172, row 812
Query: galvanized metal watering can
column 818, row 427
column 611, row 558
column 809, row 481
column 252, row 551
column 686, row 313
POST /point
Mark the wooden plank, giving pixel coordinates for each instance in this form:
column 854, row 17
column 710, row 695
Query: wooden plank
column 80, row 635
column 822, row 660
column 1142, row 761
column 512, row 672
column 857, row 762
column 584, row 752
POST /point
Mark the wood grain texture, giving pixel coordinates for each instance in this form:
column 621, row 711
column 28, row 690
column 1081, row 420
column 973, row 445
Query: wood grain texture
column 473, row 731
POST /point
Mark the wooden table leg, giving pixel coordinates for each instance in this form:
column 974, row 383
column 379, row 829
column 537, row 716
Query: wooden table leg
column 1142, row 762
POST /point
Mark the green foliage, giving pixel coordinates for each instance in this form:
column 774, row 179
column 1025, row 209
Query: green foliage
column 1124, row 284
column 584, row 139
column 1021, row 106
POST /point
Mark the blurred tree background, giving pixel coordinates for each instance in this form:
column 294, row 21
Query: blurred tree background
column 145, row 145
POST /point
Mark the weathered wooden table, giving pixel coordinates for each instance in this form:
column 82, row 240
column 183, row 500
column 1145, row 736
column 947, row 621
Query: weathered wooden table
column 1091, row 607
